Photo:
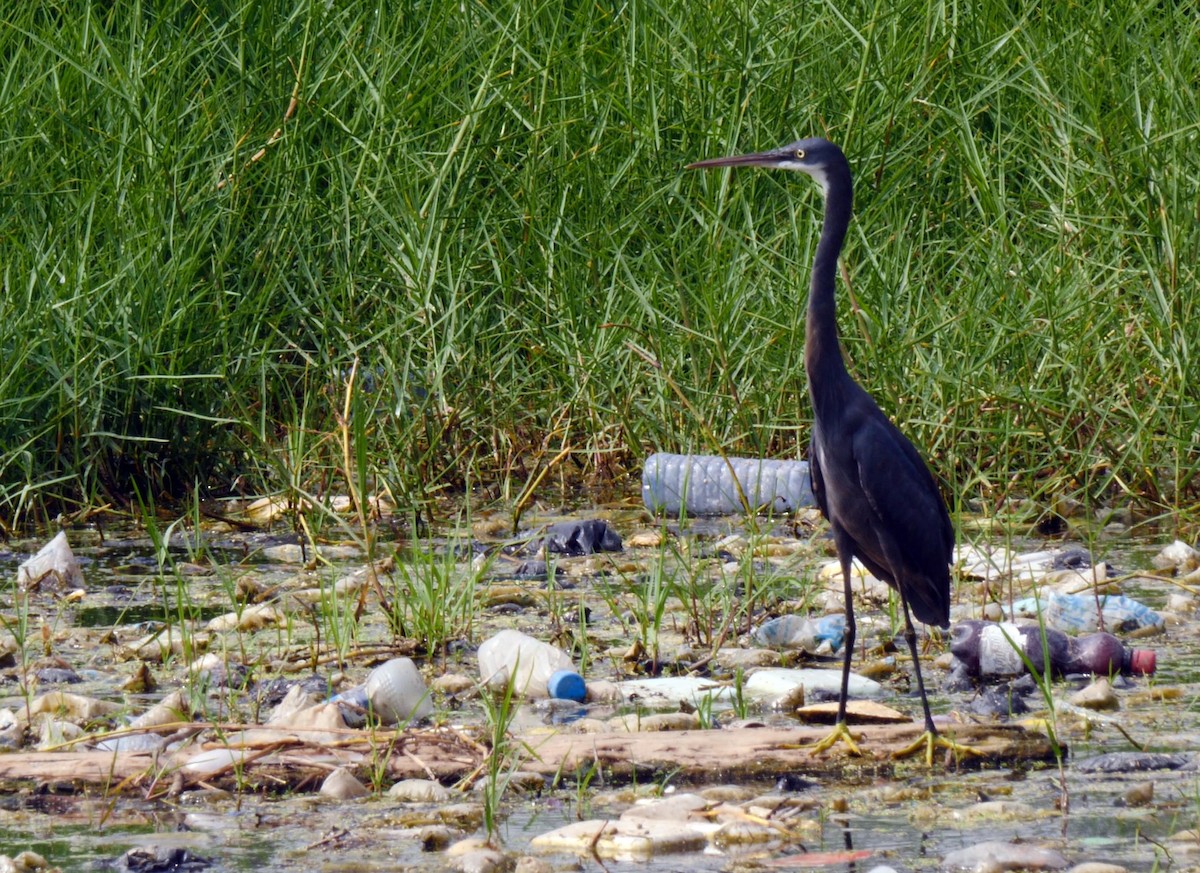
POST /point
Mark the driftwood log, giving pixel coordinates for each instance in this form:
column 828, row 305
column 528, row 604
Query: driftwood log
column 292, row 764
column 769, row 752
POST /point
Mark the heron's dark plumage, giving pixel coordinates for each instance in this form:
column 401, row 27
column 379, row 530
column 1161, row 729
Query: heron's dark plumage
column 882, row 503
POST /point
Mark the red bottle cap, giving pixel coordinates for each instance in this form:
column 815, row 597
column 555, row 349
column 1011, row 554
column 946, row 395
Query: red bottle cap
column 1142, row 661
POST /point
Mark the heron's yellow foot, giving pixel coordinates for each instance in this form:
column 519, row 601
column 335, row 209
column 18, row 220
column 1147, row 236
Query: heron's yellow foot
column 839, row 734
column 929, row 741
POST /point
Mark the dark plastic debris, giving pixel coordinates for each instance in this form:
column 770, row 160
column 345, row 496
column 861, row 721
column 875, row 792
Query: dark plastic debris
column 1000, row 702
column 1133, row 762
column 574, row 538
column 271, row 692
column 57, row 676
column 1074, row 558
column 794, row 782
column 160, row 859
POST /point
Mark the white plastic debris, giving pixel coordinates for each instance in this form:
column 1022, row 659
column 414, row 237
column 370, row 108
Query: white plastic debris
column 53, row 568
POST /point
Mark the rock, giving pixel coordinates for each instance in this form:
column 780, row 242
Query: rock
column 418, row 791
column 1129, row 762
column 678, row 807
column 26, row 862
column 627, row 838
column 742, row 833
column 645, row 539
column 435, row 838
column 53, row 568
column 341, row 784
column 251, row 618
column 1097, row 867
column 1139, row 795
column 1098, row 696
column 453, row 683
column 464, row 816
column 483, row 861
column 732, row 659
column 663, row 721
column 1178, row 557
column 529, row 864
column 996, row 856
column 998, row 810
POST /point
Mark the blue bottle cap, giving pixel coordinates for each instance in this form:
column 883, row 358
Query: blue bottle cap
column 566, row 685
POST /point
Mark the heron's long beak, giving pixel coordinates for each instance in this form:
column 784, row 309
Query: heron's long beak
column 758, row 159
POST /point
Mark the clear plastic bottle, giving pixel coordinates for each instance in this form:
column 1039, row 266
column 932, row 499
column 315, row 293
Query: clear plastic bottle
column 1076, row 613
column 704, row 484
column 820, row 635
column 394, row 691
column 988, row 648
column 538, row 669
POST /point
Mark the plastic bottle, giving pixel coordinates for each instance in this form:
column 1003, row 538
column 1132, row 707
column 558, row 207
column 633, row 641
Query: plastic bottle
column 397, row 693
column 820, row 635
column 703, row 484
column 394, row 691
column 1076, row 613
column 994, row 649
column 538, row 669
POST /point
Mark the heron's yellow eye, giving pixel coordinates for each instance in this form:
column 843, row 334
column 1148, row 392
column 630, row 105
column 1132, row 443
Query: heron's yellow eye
column 799, row 154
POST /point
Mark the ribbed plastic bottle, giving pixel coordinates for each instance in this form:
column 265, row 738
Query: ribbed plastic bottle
column 538, row 669
column 993, row 649
column 704, row 485
column 1076, row 613
column 822, row 634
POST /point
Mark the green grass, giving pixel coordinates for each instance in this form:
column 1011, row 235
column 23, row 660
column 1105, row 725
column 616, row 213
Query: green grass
column 483, row 204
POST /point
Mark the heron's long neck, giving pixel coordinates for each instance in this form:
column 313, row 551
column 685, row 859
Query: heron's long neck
column 821, row 350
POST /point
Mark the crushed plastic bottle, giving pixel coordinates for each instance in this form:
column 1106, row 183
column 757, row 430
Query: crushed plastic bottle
column 704, row 484
column 537, row 669
column 394, row 691
column 1076, row 613
column 822, row 635
column 995, row 649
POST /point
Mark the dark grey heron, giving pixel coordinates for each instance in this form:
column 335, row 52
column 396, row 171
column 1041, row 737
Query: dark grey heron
column 870, row 482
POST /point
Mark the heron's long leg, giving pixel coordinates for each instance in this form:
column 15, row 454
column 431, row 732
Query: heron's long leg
column 840, row 732
column 931, row 739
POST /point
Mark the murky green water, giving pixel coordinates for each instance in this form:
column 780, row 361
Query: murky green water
column 909, row 821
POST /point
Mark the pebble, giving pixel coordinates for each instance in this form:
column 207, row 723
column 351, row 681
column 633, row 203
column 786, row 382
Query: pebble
column 453, row 683
column 1097, row 867
column 995, row 856
column 483, row 861
column 419, row 791
column 732, row 659
column 645, row 539
column 1178, row 557
column 341, row 784
column 529, row 864
column 663, row 721
column 675, row 808
column 998, row 810
column 1098, row 696
column 1131, row 762
column 26, row 862
column 627, row 838
column 1139, row 795
column 435, row 838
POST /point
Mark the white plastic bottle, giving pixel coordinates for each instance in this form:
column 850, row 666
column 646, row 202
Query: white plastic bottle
column 538, row 669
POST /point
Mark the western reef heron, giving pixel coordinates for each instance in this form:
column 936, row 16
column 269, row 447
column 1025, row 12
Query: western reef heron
column 882, row 503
